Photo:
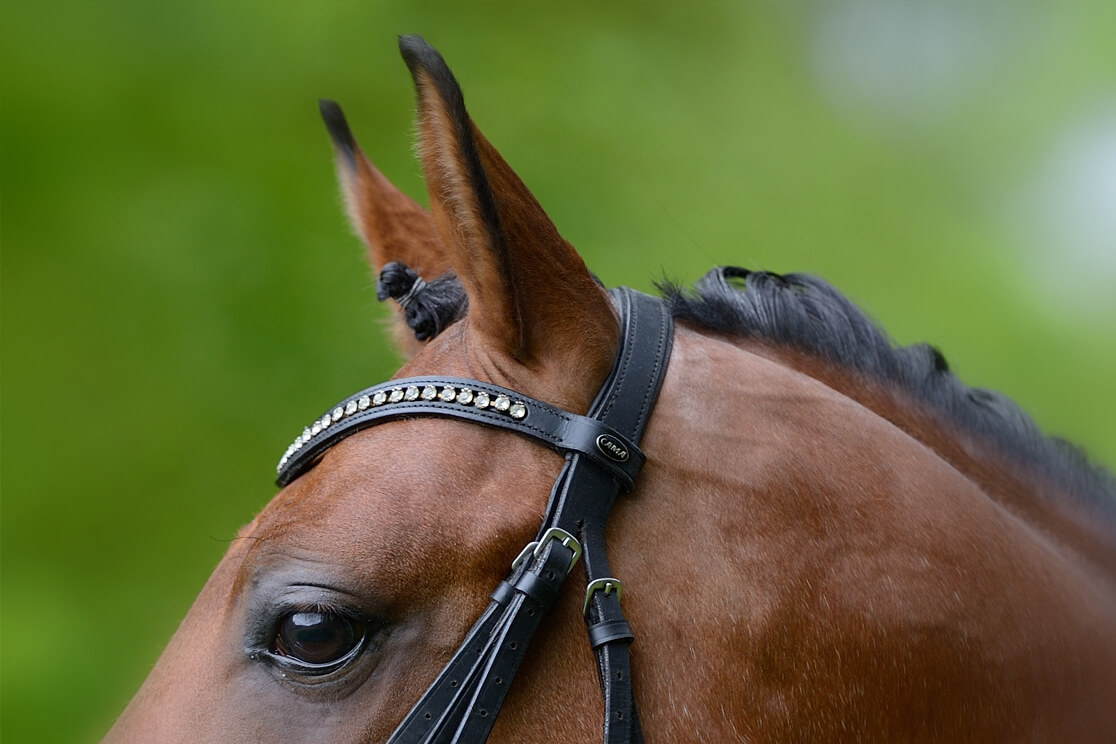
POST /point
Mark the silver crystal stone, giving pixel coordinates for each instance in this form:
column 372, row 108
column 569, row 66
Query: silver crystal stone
column 379, row 398
column 448, row 394
column 338, row 413
column 306, row 434
column 412, row 393
column 350, row 408
column 502, row 404
column 364, row 402
column 465, row 397
column 396, row 395
column 517, row 410
column 326, row 421
column 316, row 429
column 429, row 392
column 482, row 400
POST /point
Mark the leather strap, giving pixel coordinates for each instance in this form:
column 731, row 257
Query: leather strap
column 625, row 402
column 461, row 398
column 602, row 458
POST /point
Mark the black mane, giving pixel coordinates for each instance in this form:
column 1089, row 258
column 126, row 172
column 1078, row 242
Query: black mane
column 806, row 313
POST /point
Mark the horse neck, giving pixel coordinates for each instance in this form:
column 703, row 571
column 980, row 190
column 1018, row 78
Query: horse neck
column 780, row 520
column 1022, row 487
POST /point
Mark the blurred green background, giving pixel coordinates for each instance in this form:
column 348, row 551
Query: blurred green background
column 180, row 290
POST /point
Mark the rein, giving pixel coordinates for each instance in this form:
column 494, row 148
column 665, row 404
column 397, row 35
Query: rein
column 602, row 458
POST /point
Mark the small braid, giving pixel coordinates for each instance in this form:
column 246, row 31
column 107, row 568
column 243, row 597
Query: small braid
column 429, row 307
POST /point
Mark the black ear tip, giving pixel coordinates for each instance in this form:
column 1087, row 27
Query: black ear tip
column 421, row 56
column 413, row 46
column 425, row 59
column 338, row 128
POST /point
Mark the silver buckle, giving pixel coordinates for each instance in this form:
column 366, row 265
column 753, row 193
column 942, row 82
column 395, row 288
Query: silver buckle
column 534, row 548
column 607, row 585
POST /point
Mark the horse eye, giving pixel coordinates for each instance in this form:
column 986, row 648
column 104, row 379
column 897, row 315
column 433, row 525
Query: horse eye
column 317, row 637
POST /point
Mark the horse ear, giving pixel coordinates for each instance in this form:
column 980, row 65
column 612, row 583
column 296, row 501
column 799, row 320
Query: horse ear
column 393, row 227
column 531, row 298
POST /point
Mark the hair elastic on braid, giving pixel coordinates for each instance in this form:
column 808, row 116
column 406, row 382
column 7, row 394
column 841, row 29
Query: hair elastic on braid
column 410, row 294
column 428, row 307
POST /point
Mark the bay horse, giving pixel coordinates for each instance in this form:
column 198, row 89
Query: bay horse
column 832, row 539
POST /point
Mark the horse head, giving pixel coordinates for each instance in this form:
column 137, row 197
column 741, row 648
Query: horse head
column 813, row 551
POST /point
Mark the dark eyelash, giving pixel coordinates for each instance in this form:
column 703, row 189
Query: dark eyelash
column 323, row 607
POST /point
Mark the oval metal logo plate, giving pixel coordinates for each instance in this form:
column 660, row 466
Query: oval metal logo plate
column 612, row 449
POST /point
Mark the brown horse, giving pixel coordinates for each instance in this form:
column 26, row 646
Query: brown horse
column 832, row 539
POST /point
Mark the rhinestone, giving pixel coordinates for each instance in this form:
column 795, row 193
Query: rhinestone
column 350, row 408
column 448, row 394
column 429, row 392
column 298, row 445
column 338, row 413
column 364, row 402
column 412, row 393
column 316, row 429
column 482, row 400
column 517, row 410
column 502, row 403
column 465, row 397
column 396, row 395
column 326, row 421
column 379, row 398
column 306, row 434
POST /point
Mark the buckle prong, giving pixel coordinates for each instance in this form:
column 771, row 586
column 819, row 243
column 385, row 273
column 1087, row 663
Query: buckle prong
column 608, row 585
column 535, row 548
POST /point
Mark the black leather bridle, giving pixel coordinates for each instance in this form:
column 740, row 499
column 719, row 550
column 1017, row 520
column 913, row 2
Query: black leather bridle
column 602, row 458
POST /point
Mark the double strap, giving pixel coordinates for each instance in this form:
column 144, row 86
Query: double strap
column 602, row 459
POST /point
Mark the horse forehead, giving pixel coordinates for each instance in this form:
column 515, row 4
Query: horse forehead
column 414, row 479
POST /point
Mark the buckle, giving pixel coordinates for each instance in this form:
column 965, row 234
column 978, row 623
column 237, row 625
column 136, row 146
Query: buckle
column 607, row 585
column 535, row 548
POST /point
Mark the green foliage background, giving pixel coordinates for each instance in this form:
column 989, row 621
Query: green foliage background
column 180, row 290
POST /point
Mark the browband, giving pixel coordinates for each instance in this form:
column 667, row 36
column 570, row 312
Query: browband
column 471, row 400
column 602, row 458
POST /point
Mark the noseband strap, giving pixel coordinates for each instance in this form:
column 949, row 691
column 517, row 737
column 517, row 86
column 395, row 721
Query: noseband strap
column 602, row 459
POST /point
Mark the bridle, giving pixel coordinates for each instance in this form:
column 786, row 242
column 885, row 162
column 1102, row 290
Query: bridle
column 602, row 458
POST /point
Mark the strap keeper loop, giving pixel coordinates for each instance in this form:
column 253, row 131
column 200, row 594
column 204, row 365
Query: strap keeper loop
column 503, row 593
column 609, row 632
column 537, row 589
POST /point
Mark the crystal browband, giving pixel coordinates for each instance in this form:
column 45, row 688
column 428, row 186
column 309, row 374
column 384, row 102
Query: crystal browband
column 395, row 394
column 472, row 400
